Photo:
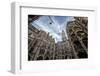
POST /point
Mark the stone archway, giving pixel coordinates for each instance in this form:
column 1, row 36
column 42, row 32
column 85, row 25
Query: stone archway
column 40, row 58
column 47, row 58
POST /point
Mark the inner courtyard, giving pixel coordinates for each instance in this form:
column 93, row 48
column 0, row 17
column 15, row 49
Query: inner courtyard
column 57, row 37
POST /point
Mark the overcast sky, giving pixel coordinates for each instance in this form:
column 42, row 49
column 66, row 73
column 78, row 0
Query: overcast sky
column 53, row 24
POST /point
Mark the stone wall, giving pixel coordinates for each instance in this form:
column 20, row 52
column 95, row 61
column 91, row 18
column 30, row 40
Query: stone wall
column 78, row 36
column 41, row 46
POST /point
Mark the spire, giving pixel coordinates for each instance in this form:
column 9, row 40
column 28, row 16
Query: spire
column 63, row 36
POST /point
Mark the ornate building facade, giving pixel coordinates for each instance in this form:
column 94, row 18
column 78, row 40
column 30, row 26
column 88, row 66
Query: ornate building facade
column 42, row 46
column 63, row 49
column 78, row 36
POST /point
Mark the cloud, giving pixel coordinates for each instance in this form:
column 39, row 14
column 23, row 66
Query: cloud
column 54, row 26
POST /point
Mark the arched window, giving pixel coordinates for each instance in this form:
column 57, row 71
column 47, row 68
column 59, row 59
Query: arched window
column 31, row 50
column 47, row 58
column 77, row 45
column 82, row 54
column 66, row 57
column 81, row 34
column 85, row 41
column 76, row 28
column 40, row 58
column 42, row 51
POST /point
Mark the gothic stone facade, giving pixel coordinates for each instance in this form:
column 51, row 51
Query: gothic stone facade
column 41, row 46
column 78, row 36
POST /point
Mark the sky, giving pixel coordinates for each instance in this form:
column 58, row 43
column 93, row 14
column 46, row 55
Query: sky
column 54, row 25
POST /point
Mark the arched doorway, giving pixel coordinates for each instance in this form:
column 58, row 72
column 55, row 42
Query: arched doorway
column 47, row 58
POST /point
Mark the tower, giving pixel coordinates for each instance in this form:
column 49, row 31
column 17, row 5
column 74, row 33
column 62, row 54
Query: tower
column 63, row 36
